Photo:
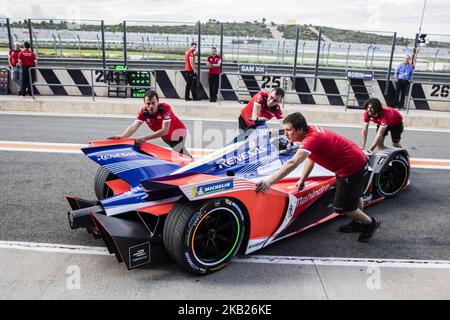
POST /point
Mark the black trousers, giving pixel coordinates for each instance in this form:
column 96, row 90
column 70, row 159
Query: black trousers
column 213, row 87
column 178, row 146
column 401, row 89
column 191, row 85
column 26, row 81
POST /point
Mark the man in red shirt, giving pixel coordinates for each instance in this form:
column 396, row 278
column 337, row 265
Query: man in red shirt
column 160, row 119
column 337, row 154
column 13, row 60
column 214, row 63
column 263, row 104
column 191, row 72
column 387, row 119
column 27, row 59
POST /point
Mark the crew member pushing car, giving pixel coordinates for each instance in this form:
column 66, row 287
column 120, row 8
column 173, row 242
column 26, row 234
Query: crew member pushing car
column 387, row 119
column 264, row 104
column 337, row 154
column 162, row 121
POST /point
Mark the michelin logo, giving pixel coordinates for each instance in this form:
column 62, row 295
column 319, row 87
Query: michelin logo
column 211, row 188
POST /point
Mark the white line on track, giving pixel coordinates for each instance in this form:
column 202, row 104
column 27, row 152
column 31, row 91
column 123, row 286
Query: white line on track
column 50, row 247
column 46, row 143
column 347, row 262
column 115, row 116
column 74, row 148
column 276, row 260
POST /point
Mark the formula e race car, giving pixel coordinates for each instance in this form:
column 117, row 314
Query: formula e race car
column 204, row 211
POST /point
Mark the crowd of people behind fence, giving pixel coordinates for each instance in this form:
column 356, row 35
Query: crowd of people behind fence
column 20, row 62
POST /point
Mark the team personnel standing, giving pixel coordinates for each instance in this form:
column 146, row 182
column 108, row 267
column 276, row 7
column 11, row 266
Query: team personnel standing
column 387, row 119
column 191, row 73
column 13, row 60
column 160, row 119
column 214, row 63
column 27, row 59
column 336, row 154
column 263, row 104
column 403, row 74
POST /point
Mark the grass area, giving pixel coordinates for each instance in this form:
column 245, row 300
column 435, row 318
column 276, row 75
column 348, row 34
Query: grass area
column 212, row 27
column 340, row 35
column 290, row 32
column 308, row 59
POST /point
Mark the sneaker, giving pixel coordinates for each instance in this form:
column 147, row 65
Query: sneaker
column 353, row 226
column 187, row 99
column 369, row 230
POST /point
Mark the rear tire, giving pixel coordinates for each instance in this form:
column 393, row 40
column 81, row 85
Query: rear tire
column 102, row 191
column 394, row 178
column 204, row 238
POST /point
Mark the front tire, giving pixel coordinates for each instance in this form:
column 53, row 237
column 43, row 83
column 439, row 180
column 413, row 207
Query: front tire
column 394, row 178
column 204, row 238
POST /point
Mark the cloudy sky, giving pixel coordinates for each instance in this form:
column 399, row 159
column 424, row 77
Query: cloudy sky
column 402, row 16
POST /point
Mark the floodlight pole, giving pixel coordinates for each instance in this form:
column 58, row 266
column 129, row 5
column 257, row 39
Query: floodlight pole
column 423, row 12
column 415, row 51
column 414, row 57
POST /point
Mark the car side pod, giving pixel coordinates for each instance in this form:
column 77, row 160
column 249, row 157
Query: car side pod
column 128, row 240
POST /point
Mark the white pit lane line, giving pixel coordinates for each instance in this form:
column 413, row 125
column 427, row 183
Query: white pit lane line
column 275, row 260
column 75, row 148
column 209, row 120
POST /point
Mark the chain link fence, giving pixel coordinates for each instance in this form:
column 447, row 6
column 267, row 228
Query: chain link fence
column 244, row 42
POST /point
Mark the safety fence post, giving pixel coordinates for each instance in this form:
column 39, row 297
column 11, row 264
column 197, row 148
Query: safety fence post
column 124, row 43
column 8, row 27
column 388, row 75
column 316, row 70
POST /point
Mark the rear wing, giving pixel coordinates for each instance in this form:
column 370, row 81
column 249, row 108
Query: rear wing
column 128, row 163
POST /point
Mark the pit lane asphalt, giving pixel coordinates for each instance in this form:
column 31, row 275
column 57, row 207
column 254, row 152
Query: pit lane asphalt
column 415, row 225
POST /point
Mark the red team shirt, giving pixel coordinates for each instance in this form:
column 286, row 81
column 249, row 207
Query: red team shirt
column 187, row 64
column 14, row 55
column 266, row 112
column 333, row 152
column 214, row 60
column 165, row 113
column 390, row 118
column 27, row 56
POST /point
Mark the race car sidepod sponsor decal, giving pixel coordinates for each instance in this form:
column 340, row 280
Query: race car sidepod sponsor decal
column 201, row 190
column 139, row 255
column 118, row 155
column 255, row 244
column 312, row 195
